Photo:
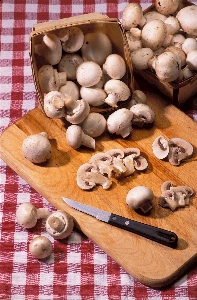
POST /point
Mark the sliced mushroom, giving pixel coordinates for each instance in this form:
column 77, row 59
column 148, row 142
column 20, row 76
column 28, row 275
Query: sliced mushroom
column 130, row 154
column 160, row 147
column 103, row 161
column 88, row 176
column 117, row 161
column 166, row 186
column 140, row 163
column 142, row 114
column 179, row 150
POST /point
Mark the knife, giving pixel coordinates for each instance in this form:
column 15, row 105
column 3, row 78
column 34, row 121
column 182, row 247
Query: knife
column 156, row 234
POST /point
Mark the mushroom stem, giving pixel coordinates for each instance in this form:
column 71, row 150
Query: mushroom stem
column 112, row 99
column 42, row 213
column 70, row 103
column 88, row 141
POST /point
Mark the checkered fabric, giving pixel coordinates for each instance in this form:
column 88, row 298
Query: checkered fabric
column 78, row 269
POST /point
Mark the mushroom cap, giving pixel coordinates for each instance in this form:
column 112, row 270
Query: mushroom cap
column 51, row 49
column 191, row 60
column 40, row 247
column 93, row 95
column 139, row 196
column 141, row 57
column 189, row 44
column 132, row 15
column 72, row 39
column 54, row 104
column 119, row 122
column 118, row 88
column 172, row 25
column 167, row 7
column 153, row 34
column 96, row 47
column 179, row 53
column 36, row 148
column 187, row 18
column 46, row 79
column 154, row 15
column 59, row 224
column 167, row 66
column 69, row 64
column 70, row 89
column 115, row 66
column 74, row 136
column 88, row 73
column 160, row 147
column 79, row 113
column 26, row 215
column 94, row 124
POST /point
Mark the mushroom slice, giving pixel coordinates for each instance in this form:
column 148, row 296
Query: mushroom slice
column 117, row 161
column 133, row 152
column 167, row 199
column 183, row 194
column 103, row 161
column 72, row 39
column 166, row 186
column 160, row 147
column 180, row 150
column 88, row 176
column 140, row 163
column 142, row 114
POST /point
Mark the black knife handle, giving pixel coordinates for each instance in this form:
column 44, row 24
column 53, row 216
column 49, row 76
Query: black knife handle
column 156, row 234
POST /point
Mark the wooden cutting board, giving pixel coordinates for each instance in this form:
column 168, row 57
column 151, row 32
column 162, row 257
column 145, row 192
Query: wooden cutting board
column 152, row 264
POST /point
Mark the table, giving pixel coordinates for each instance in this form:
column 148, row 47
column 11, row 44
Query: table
column 78, row 269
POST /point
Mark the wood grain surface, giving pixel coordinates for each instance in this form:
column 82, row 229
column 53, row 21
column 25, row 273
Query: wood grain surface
column 152, row 264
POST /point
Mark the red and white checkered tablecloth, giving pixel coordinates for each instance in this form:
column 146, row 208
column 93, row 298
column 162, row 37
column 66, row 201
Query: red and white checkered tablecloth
column 78, row 269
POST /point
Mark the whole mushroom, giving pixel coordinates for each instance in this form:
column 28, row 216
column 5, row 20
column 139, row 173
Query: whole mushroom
column 40, row 247
column 59, row 224
column 88, row 73
column 141, row 57
column 51, row 49
column 117, row 91
column 37, row 148
column 132, row 16
column 94, row 125
column 76, row 111
column 69, row 64
column 54, row 104
column 49, row 79
column 27, row 214
column 167, row 7
column 120, row 122
column 140, row 197
column 72, row 39
column 187, row 18
column 76, row 137
column 115, row 66
column 142, row 114
column 93, row 95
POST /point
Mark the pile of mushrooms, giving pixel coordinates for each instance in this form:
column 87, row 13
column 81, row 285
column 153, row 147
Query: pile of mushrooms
column 114, row 163
column 59, row 225
column 174, row 197
column 164, row 39
column 175, row 150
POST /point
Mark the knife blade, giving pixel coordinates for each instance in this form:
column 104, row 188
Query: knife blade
column 159, row 235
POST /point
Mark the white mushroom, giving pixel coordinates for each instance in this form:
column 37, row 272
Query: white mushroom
column 117, row 91
column 72, row 39
column 142, row 114
column 154, row 34
column 88, row 177
column 180, row 54
column 51, row 49
column 187, row 73
column 59, row 224
column 103, row 161
column 76, row 111
column 133, row 44
column 93, row 95
column 179, row 150
column 115, row 66
column 130, row 154
column 189, row 44
column 188, row 20
column 167, row 67
column 96, row 47
column 94, row 124
column 191, row 60
column 172, row 25
column 40, row 247
column 49, row 79
column 37, row 148
column 140, row 197
column 178, row 38
column 70, row 89
column 88, row 73
column 117, row 162
column 69, row 64
column 120, row 122
column 76, row 137
column 54, row 104
column 154, row 15
column 167, row 7
column 141, row 57
column 132, row 16
column 27, row 214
